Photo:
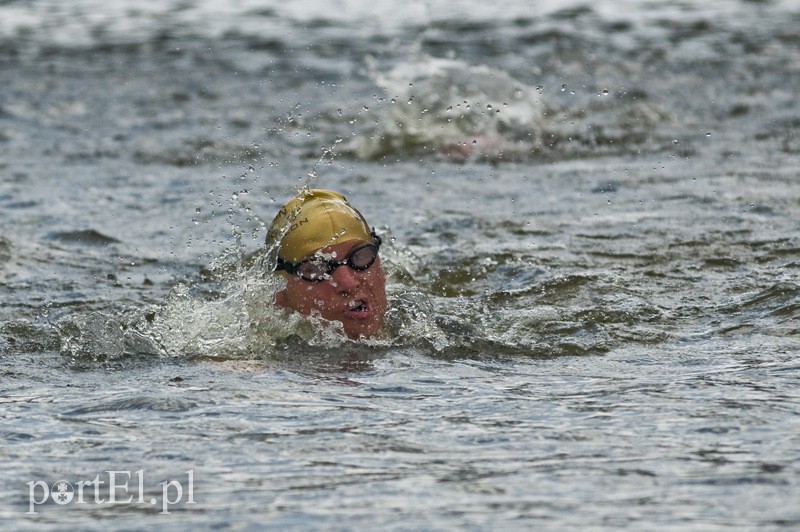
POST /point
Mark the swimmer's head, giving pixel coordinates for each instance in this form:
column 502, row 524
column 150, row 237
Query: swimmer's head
column 312, row 220
column 332, row 255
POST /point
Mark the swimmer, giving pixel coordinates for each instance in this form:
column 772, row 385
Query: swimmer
column 329, row 257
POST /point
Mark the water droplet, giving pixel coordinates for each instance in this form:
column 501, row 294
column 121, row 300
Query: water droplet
column 563, row 88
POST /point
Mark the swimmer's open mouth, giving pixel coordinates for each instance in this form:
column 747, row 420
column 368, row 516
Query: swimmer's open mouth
column 359, row 306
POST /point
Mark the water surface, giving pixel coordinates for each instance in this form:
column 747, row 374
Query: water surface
column 591, row 215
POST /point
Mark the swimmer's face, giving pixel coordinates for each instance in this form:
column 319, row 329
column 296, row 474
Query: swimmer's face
column 356, row 298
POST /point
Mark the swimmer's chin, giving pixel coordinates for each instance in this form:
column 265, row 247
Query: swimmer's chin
column 358, row 333
column 357, row 321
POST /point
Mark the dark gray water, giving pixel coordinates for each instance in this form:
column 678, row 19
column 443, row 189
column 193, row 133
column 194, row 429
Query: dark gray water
column 592, row 218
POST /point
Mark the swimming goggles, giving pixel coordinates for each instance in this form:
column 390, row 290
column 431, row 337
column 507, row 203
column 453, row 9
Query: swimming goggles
column 317, row 269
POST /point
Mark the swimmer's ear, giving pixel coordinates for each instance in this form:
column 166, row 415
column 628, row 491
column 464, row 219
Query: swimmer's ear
column 281, row 300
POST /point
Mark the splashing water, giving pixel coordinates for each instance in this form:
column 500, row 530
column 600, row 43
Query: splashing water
column 241, row 319
column 449, row 107
column 231, row 314
column 459, row 111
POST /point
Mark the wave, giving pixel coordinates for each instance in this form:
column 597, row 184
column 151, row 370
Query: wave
column 452, row 109
column 230, row 315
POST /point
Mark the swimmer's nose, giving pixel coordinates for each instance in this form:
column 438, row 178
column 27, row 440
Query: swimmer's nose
column 345, row 278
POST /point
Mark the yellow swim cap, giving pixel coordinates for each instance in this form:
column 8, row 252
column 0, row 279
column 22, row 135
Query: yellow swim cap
column 312, row 220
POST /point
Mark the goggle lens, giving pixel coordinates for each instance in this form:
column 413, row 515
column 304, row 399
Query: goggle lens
column 360, row 258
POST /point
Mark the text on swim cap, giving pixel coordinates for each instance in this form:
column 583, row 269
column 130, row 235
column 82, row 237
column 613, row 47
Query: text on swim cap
column 297, row 224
